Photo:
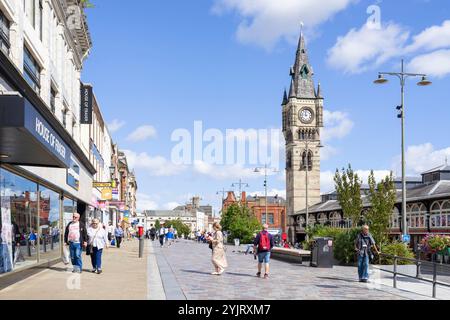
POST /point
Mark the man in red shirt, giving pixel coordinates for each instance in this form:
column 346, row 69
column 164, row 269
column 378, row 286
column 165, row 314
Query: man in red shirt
column 262, row 246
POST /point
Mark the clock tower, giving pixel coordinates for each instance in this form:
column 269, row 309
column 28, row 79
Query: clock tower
column 302, row 123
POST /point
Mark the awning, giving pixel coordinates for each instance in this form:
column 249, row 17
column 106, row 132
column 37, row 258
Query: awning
column 26, row 138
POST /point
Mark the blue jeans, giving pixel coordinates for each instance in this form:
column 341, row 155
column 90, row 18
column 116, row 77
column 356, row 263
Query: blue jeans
column 75, row 255
column 96, row 258
column 363, row 267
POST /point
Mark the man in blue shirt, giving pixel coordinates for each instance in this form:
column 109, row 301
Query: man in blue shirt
column 262, row 246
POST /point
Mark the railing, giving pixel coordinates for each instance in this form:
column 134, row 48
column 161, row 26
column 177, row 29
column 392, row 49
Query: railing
column 419, row 264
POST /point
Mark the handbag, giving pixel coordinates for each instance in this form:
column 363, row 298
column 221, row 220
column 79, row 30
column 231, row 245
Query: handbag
column 89, row 246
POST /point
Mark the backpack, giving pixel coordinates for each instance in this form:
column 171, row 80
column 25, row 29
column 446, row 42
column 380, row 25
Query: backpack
column 264, row 242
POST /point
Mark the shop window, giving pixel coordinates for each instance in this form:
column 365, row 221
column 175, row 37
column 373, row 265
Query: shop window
column 19, row 232
column 4, row 33
column 49, row 225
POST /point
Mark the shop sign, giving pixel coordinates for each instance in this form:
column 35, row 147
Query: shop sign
column 86, row 104
column 107, row 194
column 42, row 131
column 96, row 184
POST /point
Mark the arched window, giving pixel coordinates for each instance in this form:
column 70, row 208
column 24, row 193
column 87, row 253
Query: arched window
column 322, row 219
column 416, row 214
column 289, row 160
column 435, row 221
column 301, row 221
column 335, row 220
column 307, row 158
column 312, row 220
column 395, row 219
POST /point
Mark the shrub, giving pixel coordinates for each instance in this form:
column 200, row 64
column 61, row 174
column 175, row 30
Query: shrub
column 396, row 249
column 344, row 246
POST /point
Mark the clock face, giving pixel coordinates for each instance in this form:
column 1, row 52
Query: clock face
column 306, row 115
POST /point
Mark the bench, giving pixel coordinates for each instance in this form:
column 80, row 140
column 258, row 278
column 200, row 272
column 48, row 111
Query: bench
column 291, row 255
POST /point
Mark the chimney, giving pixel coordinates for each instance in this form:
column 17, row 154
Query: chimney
column 244, row 197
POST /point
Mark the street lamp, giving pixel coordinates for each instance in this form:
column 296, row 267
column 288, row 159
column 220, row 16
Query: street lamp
column 258, row 170
column 424, row 82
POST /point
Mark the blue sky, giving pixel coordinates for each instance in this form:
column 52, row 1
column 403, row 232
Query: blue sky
column 158, row 66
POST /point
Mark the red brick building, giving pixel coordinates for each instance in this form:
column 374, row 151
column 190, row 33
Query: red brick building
column 276, row 209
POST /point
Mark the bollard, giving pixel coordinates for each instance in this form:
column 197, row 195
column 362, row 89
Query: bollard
column 28, row 248
column 141, row 247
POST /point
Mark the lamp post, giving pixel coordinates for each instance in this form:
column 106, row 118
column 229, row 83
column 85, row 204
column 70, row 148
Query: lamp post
column 307, row 168
column 423, row 82
column 258, row 170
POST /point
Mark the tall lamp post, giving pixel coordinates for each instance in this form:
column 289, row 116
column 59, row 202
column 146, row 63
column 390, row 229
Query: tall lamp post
column 258, row 170
column 307, row 168
column 423, row 82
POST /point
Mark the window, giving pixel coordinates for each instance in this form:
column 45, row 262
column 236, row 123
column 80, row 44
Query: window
column 322, row 219
column 4, row 33
column 52, row 100
column 31, row 69
column 335, row 220
column 30, row 11
column 49, row 224
column 64, row 117
column 416, row 214
column 395, row 219
column 307, row 158
column 289, row 160
column 440, row 214
column 40, row 19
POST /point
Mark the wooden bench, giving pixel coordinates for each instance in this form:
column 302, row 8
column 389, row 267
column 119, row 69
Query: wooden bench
column 291, row 255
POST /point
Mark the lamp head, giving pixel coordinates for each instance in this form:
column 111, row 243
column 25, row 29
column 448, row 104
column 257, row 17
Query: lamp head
column 256, row 170
column 380, row 80
column 424, row 82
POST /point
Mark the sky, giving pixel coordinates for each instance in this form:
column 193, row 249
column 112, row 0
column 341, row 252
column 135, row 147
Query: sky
column 160, row 69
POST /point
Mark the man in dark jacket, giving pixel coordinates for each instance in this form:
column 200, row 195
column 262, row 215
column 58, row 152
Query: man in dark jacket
column 75, row 236
column 262, row 246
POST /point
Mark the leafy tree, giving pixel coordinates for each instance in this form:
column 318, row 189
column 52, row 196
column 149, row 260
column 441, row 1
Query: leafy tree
column 157, row 224
column 182, row 228
column 382, row 197
column 240, row 222
column 348, row 188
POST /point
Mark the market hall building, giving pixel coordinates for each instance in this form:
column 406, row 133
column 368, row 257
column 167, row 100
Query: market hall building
column 45, row 176
column 427, row 209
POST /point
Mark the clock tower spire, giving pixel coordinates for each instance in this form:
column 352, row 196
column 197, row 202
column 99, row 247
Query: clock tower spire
column 302, row 123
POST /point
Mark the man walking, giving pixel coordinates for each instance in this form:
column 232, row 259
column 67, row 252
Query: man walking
column 75, row 236
column 118, row 233
column 363, row 245
column 162, row 234
column 262, row 246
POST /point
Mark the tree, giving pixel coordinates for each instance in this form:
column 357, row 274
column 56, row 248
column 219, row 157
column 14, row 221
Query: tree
column 382, row 197
column 157, row 224
column 240, row 222
column 182, row 228
column 348, row 188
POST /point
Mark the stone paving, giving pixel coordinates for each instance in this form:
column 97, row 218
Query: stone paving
column 191, row 267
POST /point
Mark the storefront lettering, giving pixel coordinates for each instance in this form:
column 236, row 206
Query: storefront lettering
column 50, row 138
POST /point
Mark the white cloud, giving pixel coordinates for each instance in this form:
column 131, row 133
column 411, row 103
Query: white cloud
column 420, row 158
column 156, row 166
column 223, row 172
column 171, row 205
column 142, row 133
column 337, row 125
column 327, row 178
column 145, row 202
column 367, row 48
column 435, row 37
column 265, row 22
column 436, row 64
column 270, row 193
column 115, row 125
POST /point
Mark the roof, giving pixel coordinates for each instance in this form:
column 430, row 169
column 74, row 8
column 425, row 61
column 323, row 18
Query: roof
column 273, row 200
column 438, row 189
column 444, row 167
column 169, row 213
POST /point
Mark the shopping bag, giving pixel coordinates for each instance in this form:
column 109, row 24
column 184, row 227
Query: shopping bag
column 113, row 242
column 66, row 255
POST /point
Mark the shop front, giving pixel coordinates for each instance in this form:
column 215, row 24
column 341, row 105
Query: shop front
column 44, row 178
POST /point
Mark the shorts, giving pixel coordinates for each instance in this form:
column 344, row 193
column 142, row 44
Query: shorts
column 264, row 257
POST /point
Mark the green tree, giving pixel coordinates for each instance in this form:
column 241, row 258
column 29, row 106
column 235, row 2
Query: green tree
column 382, row 197
column 182, row 228
column 157, row 224
column 240, row 222
column 348, row 188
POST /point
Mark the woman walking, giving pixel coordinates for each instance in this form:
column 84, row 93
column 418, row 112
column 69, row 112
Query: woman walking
column 98, row 240
column 219, row 258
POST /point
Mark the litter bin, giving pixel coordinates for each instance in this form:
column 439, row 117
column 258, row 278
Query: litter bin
column 236, row 242
column 322, row 253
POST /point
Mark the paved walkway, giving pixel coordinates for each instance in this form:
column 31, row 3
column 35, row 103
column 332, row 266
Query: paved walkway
column 182, row 272
column 190, row 269
column 124, row 277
